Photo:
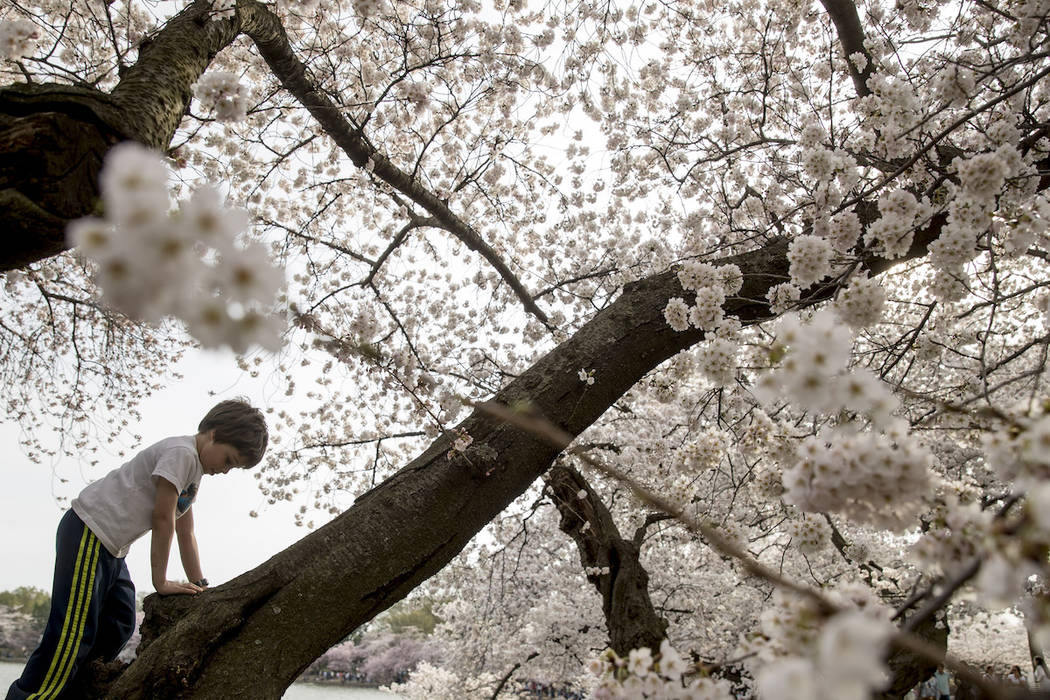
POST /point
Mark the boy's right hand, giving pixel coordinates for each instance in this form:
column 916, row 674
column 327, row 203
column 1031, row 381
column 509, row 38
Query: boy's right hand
column 177, row 587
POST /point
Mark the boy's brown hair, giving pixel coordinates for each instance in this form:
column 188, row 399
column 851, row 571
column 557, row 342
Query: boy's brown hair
column 239, row 424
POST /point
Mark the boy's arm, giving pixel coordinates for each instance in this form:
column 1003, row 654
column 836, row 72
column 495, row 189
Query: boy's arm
column 191, row 561
column 160, row 546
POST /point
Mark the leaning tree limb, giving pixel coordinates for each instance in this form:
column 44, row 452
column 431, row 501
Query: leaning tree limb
column 224, row 642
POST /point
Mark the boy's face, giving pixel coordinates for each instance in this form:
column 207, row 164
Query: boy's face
column 218, row 457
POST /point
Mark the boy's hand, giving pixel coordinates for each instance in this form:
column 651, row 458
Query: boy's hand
column 177, row 587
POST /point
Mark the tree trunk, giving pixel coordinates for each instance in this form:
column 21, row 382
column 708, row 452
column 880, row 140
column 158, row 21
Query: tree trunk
column 53, row 137
column 907, row 669
column 630, row 618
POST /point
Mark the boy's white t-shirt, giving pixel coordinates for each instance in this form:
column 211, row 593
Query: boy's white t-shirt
column 118, row 508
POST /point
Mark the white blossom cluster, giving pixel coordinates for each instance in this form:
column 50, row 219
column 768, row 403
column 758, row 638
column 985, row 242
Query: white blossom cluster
column 417, row 95
column 682, row 490
column 892, row 233
column 461, row 443
column 790, row 626
column 810, row 258
column 363, row 327
column 1022, row 454
column 961, row 531
column 735, row 533
column 16, row 38
column 970, row 214
column 368, row 8
column 223, row 9
column 810, row 533
column 805, row 657
column 847, row 664
column 957, row 533
column 782, row 297
column 892, row 109
column 813, row 370
column 716, row 359
column 298, row 10
column 705, row 451
column 676, row 313
column 221, row 92
column 430, row 682
column 153, row 262
column 1028, row 226
column 822, row 164
column 596, row 570
column 641, row 675
column 953, row 84
column 755, row 438
column 712, row 285
column 981, row 178
column 695, row 275
column 707, row 311
column 948, row 285
column 860, row 304
column 1003, row 575
column 867, row 476
column 768, row 483
column 842, row 231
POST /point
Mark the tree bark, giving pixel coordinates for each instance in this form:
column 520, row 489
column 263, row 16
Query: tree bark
column 630, row 618
column 53, row 137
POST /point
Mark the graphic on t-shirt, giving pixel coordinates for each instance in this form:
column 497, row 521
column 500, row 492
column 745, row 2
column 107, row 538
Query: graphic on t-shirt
column 186, row 498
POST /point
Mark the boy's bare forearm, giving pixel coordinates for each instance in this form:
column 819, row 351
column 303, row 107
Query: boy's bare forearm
column 160, row 545
column 160, row 549
column 191, row 561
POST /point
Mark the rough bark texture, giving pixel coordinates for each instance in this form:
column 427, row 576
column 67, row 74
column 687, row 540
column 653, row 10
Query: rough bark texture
column 53, row 137
column 630, row 617
column 52, row 141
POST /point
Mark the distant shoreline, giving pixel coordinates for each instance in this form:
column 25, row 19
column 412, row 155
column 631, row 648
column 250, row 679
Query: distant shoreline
column 344, row 684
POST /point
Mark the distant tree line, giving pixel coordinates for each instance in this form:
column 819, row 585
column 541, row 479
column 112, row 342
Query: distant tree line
column 23, row 614
column 384, row 652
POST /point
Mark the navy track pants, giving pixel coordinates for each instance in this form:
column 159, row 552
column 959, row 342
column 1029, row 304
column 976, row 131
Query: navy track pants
column 92, row 614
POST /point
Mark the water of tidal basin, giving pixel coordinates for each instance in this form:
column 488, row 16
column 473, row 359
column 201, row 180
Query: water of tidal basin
column 299, row 691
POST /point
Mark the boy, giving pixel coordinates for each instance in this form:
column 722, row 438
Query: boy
column 93, row 599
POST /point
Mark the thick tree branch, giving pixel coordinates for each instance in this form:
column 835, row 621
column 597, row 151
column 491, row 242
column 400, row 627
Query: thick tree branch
column 54, row 137
column 851, row 35
column 157, row 89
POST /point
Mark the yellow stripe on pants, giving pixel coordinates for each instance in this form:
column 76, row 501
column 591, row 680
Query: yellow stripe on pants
column 74, row 647
column 66, row 622
column 76, row 615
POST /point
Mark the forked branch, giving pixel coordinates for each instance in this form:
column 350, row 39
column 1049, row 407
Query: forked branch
column 265, row 29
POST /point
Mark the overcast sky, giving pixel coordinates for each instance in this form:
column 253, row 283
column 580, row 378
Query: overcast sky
column 230, row 541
